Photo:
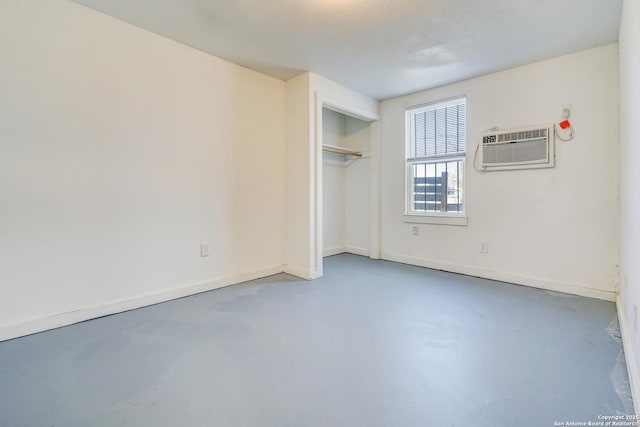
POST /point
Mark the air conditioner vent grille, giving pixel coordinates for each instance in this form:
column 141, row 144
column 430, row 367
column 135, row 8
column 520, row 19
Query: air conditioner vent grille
column 518, row 136
column 524, row 148
column 527, row 151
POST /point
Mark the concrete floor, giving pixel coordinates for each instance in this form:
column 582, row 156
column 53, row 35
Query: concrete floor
column 373, row 343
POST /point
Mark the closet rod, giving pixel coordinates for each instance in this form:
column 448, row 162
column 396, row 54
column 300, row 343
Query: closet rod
column 340, row 150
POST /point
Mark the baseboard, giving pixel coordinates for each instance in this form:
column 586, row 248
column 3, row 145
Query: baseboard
column 334, row 251
column 534, row 282
column 345, row 249
column 357, row 251
column 300, row 272
column 54, row 321
column 630, row 356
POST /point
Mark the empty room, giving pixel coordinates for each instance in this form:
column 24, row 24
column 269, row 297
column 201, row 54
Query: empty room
column 319, row 213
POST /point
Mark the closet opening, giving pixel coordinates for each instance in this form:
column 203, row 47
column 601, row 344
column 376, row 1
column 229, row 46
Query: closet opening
column 346, row 184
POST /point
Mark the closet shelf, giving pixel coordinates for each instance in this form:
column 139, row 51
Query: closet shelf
column 340, row 150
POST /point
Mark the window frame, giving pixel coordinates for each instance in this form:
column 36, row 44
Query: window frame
column 432, row 217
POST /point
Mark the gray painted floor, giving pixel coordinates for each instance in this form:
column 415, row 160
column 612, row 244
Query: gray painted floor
column 373, row 343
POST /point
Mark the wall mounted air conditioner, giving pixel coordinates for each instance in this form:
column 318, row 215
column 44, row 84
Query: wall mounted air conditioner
column 524, row 148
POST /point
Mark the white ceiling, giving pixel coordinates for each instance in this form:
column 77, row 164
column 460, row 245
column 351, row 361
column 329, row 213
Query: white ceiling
column 382, row 48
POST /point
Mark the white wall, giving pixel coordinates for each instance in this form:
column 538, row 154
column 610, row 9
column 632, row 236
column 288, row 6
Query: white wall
column 342, row 99
column 299, row 196
column 551, row 228
column 629, row 189
column 120, row 152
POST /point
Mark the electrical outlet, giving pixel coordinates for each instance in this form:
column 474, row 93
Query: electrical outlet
column 484, row 247
column 415, row 230
column 204, row 249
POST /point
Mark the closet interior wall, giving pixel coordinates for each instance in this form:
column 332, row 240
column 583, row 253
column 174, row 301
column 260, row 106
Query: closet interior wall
column 346, row 182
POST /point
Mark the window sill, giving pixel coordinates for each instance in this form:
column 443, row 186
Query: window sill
column 436, row 219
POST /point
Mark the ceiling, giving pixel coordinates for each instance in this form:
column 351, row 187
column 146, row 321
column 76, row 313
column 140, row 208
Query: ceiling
column 381, row 48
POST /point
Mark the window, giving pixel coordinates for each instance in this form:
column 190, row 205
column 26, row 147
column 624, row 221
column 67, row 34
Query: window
column 436, row 149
